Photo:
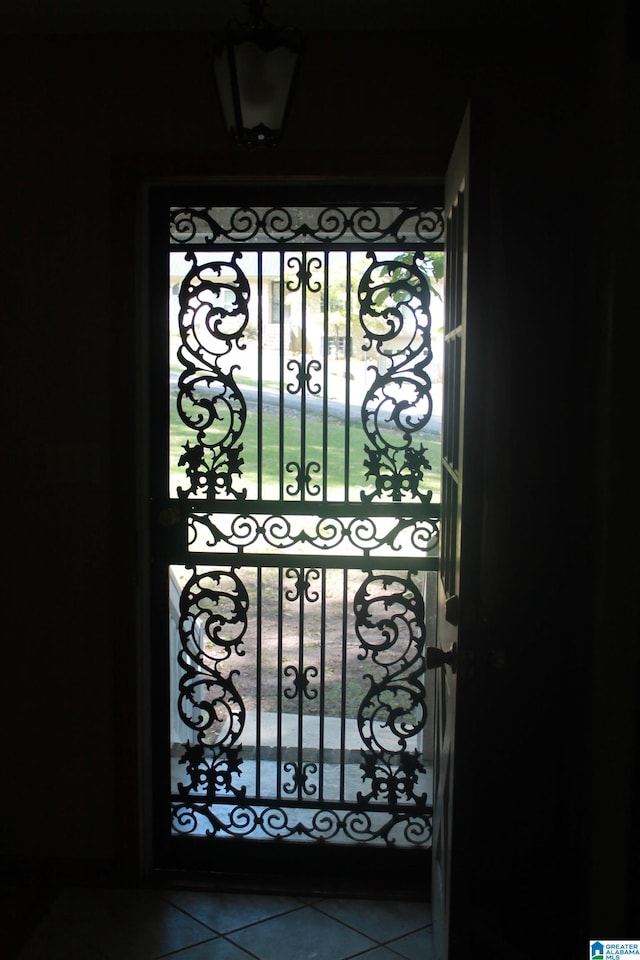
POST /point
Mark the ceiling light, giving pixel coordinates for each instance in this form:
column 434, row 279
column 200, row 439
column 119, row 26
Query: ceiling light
column 255, row 67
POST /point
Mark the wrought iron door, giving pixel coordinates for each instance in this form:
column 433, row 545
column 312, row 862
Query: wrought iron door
column 294, row 477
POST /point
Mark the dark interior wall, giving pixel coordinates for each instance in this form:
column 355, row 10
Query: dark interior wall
column 77, row 108
column 74, row 110
column 69, row 105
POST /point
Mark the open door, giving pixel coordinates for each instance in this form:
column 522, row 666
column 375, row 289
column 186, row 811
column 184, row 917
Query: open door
column 457, row 654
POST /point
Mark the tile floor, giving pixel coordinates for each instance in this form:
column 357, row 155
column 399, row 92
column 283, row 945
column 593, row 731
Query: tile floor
column 146, row 924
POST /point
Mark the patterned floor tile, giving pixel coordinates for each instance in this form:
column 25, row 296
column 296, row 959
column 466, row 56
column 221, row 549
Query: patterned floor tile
column 380, row 920
column 112, row 925
column 106, row 924
column 416, row 946
column 378, row 953
column 305, row 935
column 223, row 912
column 218, row 949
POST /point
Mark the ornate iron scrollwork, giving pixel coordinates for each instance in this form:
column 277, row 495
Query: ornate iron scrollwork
column 305, row 266
column 286, row 583
column 325, row 224
column 213, row 621
column 390, row 623
column 288, row 823
column 367, row 535
column 394, row 312
column 300, row 774
column 304, row 379
column 302, row 584
column 214, row 312
column 303, row 478
column 393, row 777
column 212, row 770
column 301, row 682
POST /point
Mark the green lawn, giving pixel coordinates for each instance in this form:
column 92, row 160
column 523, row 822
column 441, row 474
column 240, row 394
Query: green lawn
column 287, row 434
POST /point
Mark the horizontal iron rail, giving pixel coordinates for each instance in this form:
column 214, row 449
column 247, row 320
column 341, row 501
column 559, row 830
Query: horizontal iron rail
column 312, row 508
column 237, row 559
column 274, row 803
column 294, row 246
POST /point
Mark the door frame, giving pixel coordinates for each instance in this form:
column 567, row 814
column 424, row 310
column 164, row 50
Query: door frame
column 341, row 186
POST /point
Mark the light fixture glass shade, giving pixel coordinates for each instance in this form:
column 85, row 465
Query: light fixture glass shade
column 254, row 70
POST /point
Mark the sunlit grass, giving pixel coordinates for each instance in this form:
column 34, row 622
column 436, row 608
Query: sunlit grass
column 281, row 445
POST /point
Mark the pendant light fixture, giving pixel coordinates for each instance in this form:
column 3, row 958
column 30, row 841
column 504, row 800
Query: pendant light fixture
column 255, row 67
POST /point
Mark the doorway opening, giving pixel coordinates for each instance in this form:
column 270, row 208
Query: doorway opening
column 294, row 490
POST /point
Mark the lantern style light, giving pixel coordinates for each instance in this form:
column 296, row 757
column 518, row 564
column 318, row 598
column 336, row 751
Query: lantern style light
column 255, row 67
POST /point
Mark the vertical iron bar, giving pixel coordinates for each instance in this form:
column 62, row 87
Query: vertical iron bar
column 325, row 368
column 323, row 664
column 259, row 411
column 343, row 691
column 281, row 384
column 301, row 599
column 303, row 376
column 347, row 385
column 279, row 698
column 258, row 678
